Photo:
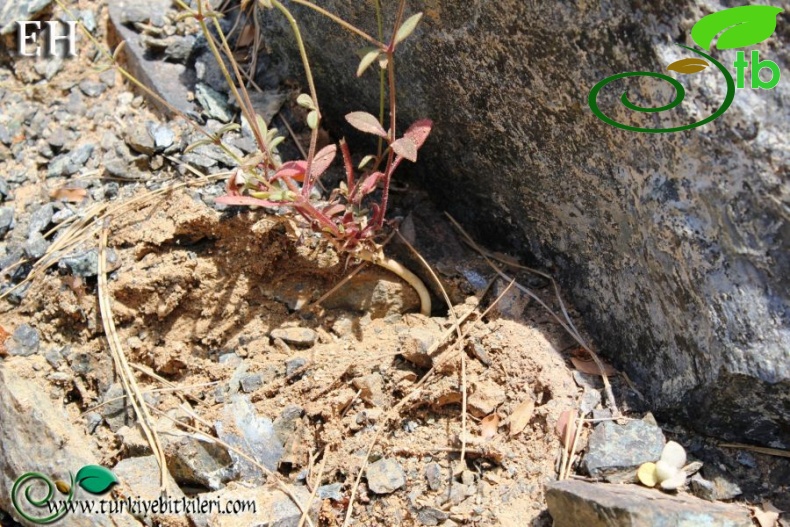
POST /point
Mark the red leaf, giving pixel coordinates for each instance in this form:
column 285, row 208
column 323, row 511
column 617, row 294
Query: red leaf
column 246, row 200
column 333, row 210
column 322, row 160
column 292, row 169
column 368, row 184
column 406, row 148
column 365, row 122
column 418, row 131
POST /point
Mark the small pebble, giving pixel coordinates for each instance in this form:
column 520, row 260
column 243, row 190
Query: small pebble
column 294, row 364
column 40, row 219
column 385, row 476
column 25, row 341
column 6, row 220
column 92, row 88
column 36, row 246
column 433, row 474
column 304, row 337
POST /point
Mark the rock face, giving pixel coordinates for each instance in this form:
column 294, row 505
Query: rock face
column 674, row 245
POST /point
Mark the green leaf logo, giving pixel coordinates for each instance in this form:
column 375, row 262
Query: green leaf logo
column 95, row 479
column 743, row 26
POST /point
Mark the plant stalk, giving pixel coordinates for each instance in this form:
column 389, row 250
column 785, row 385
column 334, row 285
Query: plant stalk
column 410, row 278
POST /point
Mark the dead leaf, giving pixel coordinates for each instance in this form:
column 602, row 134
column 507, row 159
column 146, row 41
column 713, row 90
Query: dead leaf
column 489, row 425
column 689, row 65
column 584, row 362
column 247, row 36
column 520, row 417
column 567, row 420
column 765, row 518
column 74, row 195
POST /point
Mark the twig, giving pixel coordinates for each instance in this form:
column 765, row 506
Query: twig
column 122, row 366
column 758, row 449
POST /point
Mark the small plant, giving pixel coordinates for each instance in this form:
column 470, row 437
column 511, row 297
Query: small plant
column 349, row 218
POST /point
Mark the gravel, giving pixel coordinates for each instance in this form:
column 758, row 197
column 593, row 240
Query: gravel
column 25, row 341
column 6, row 220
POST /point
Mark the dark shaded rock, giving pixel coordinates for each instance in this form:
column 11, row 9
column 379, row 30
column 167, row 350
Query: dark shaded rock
column 139, row 139
column 680, row 270
column 431, row 516
column 172, row 82
column 40, row 218
column 4, row 191
column 572, row 503
column 331, row 492
column 36, row 246
column 433, row 474
column 616, row 451
column 215, row 104
column 118, row 167
column 192, row 461
column 251, row 382
column 57, row 139
column 6, row 220
column 242, row 428
column 292, row 365
column 86, row 264
column 71, row 163
column 180, row 48
column 24, row 341
column 75, row 103
column 385, row 476
column 92, row 88
column 11, row 11
column 115, row 411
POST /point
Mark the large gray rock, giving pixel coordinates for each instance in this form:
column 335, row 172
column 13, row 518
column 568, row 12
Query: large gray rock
column 674, row 246
column 38, row 436
column 574, row 503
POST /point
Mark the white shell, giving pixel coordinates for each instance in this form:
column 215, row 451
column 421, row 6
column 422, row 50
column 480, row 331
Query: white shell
column 665, row 471
column 675, row 482
column 674, row 454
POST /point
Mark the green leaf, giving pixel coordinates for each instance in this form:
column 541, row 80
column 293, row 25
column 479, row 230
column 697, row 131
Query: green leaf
column 407, row 28
column 312, row 120
column 743, row 26
column 95, row 479
column 368, row 56
column 261, row 124
column 274, row 143
column 405, row 148
column 365, row 160
column 305, row 101
column 198, row 143
column 365, row 122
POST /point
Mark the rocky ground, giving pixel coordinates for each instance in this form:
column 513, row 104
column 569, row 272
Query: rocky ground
column 216, row 309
